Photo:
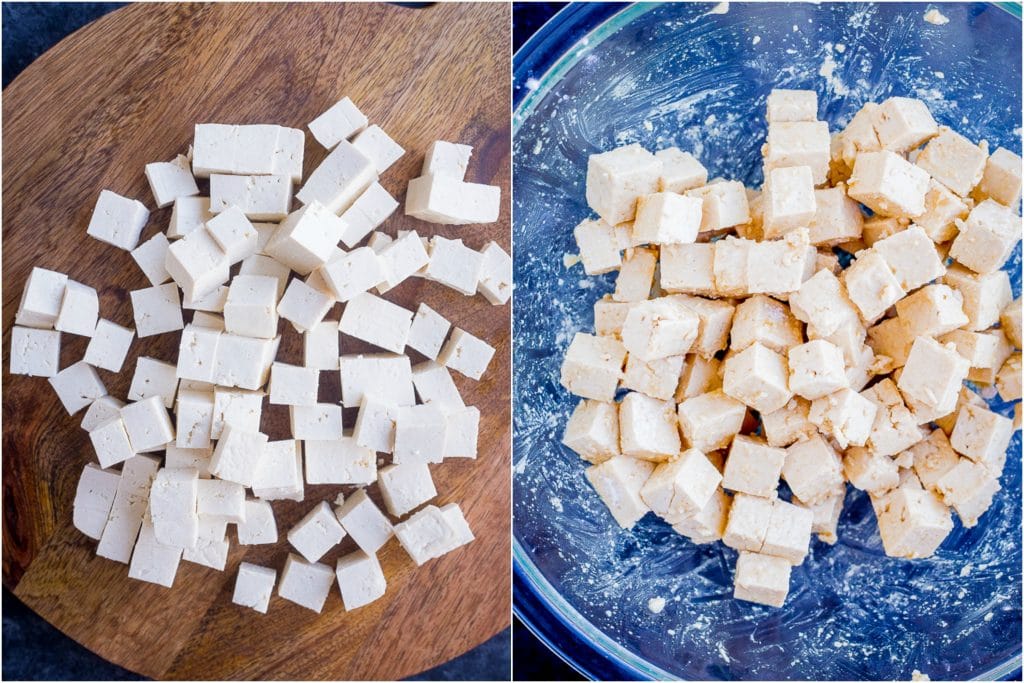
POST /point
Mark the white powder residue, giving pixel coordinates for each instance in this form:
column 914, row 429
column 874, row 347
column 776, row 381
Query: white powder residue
column 828, row 72
column 720, row 8
column 918, row 676
column 939, row 74
column 756, row 40
column 538, row 146
column 656, row 605
column 648, row 126
column 934, row 16
column 532, row 84
column 557, row 504
column 966, row 569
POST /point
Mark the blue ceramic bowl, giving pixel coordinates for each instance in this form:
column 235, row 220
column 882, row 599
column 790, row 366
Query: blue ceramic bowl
column 598, row 76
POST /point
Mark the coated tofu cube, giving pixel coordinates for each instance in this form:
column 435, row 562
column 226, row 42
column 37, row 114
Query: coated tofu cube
column 932, row 310
column 895, row 428
column 933, row 458
column 107, row 348
column 305, row 583
column 340, row 461
column 1001, row 180
column 388, row 377
column 367, row 525
column 592, row 431
column 237, row 455
column 987, row 237
column 681, row 488
column 470, row 355
column 779, row 267
column 708, row 525
column 836, row 219
column 360, row 579
column 699, row 376
column 657, row 378
column 636, row 275
column 688, row 268
column 118, row 220
column 495, row 274
column 659, row 328
column 157, row 310
column 954, row 161
column 891, row 339
column 378, row 146
column 813, row 470
column 616, row 179
column 731, row 257
column 680, row 171
column 710, row 421
column 789, row 532
column 799, row 143
column 792, row 105
column 984, row 296
column 419, row 434
column 816, row 369
column 367, row 213
column 913, row 523
column 980, row 434
column 405, row 487
column 450, row 201
column 94, row 498
column 888, row 184
column 151, row 256
column 148, row 425
column 153, row 378
column 903, row 123
column 942, row 210
column 306, row 239
column 339, row 179
column 316, row 533
column 871, row 285
column 715, row 323
column 321, row 421
column 748, row 522
column 341, row 121
column 822, row 303
column 447, row 158
column 753, row 467
column 725, row 205
column 968, row 488
column 763, row 579
column 758, row 377
column 77, row 386
column 254, row 586
column 858, row 136
column 788, row 200
column 197, row 264
column 667, row 218
column 618, row 481
column 933, row 374
column 878, row 228
column 648, row 428
column 869, row 471
column 305, row 307
column 1009, row 320
column 1008, row 379
column 454, row 265
column 766, row 321
column 788, row 424
column 845, row 415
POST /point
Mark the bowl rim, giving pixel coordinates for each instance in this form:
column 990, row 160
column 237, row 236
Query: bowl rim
column 542, row 60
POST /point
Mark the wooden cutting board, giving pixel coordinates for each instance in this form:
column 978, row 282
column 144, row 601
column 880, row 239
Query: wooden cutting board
column 127, row 90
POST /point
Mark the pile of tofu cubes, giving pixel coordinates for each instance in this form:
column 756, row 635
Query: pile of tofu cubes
column 165, row 488
column 749, row 355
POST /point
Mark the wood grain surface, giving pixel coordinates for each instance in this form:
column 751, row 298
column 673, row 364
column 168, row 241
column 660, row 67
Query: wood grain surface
column 127, row 90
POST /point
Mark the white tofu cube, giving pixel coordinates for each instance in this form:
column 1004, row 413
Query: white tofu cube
column 306, row 239
column 341, row 121
column 364, row 522
column 157, row 310
column 320, row 346
column 118, row 220
column 648, row 428
column 844, row 415
column 360, row 579
column 681, row 488
column 77, row 386
column 211, row 302
column 292, row 385
column 94, row 498
column 619, row 481
column 279, row 473
column 251, row 306
column 725, row 205
column 495, row 274
column 871, row 285
column 433, row 532
column 902, row 124
column 220, row 499
column 954, row 161
column 789, row 200
column 933, row 374
column 888, row 184
column 748, row 522
column 599, row 249
column 454, row 265
column 172, row 507
column 316, row 533
column 447, row 158
column 102, row 410
column 822, row 303
column 340, row 461
column 987, row 237
column 405, row 487
column 42, row 299
column 197, row 264
column 171, row 179
column 153, row 378
column 244, row 361
column 259, row 526
column 837, row 218
column 932, row 311
column 667, row 218
column 427, row 331
column 108, row 347
column 189, row 214
column 942, row 209
column 378, row 147
column 356, row 272
column 1008, row 379
column 789, row 532
column 237, row 455
column 402, row 258
column 763, row 579
column 753, row 467
column 377, row 321
column 148, row 425
column 233, row 232
column 657, row 378
column 788, row 424
column 616, row 179
column 680, row 171
column 153, row 561
column 151, row 256
column 130, row 502
column 197, row 353
column 79, row 310
column 792, row 105
column 254, row 586
column 338, row 180
column 984, row 296
column 434, row 384
column 447, row 200
column 305, row 583
column 798, row 143
column 757, row 377
column 657, row 329
column 419, row 434
column 321, row 421
column 387, row 376
column 110, row 441
column 255, row 197
column 375, row 425
column 816, row 369
column 710, row 421
column 913, row 523
column 466, row 354
column 813, row 470
column 636, row 276
column 462, row 431
column 1001, row 180
column 968, row 488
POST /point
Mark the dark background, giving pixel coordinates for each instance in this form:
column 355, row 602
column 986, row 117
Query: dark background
column 32, row 649
column 533, row 660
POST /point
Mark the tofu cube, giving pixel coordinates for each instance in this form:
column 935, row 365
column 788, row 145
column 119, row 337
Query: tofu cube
column 913, row 523
column 1009, row 321
column 148, row 425
column 903, row 123
column 636, row 276
column 194, row 415
column 157, row 310
column 189, row 214
column 984, row 296
column 836, row 219
column 968, row 488
column 197, row 264
column 1001, row 180
column 341, row 121
column 251, row 197
column 293, row 385
column 402, row 258
column 593, row 431
column 339, row 179
column 101, row 411
column 432, row 532
column 757, row 377
column 933, row 458
column 172, row 507
column 388, row 377
column 447, row 158
column 495, row 274
column 197, row 353
column 871, row 285
column 153, row 378
column 980, row 434
column 789, row 532
column 599, row 248
column 237, row 455
column 799, row 143
column 151, row 256
column 753, row 467
column 305, row 583
column 244, row 362
column 434, row 385
column 375, row 425
column 788, row 424
column 360, row 579
column 792, row 105
column 126, row 514
column 320, row 346
column 987, row 237
column 405, row 487
column 354, row 273
column 844, row 415
column 171, row 179
column 932, row 311
column 79, row 310
column 618, row 481
column 378, row 147
column 813, row 470
column 376, row 321
column 648, row 428
column 766, row 321
column 667, row 218
column 419, row 434
column 111, row 444
column 118, row 220
column 933, row 374
column 454, row 265
column 462, row 431
column 107, row 348
column 254, row 586
column 657, row 378
column 816, row 369
column 448, row 200
column 688, row 268
column 822, row 303
column 942, row 210
column 94, row 498
column 231, row 229
column 251, row 307
column 316, row 533
column 858, row 136
column 151, row 560
column 788, row 200
column 306, row 239
column 364, row 521
column 763, row 579
column 259, row 526
column 278, row 475
column 77, row 386
column 682, row 487
column 321, row 421
column 305, row 307
column 870, row 471
column 724, row 206
column 427, row 331
column 616, row 179
column 680, row 171
column 699, row 376
column 710, row 421
column 748, row 522
column 708, row 525
column 895, row 428
column 340, row 461
column 888, row 184
column 367, row 213
column 1008, row 379
column 659, row 328
column 954, row 161
column 470, row 355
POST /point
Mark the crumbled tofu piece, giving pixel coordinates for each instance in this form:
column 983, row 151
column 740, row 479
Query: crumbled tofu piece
column 305, row 583
column 888, row 184
column 681, row 488
column 987, row 237
column 753, row 467
column 618, row 481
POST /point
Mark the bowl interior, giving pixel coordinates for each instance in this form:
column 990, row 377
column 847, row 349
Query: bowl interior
column 678, row 74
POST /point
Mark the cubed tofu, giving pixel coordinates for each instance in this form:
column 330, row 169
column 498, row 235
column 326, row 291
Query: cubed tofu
column 450, row 201
column 912, row 257
column 1009, row 321
column 364, row 522
column 682, row 487
column 172, row 507
column 699, row 376
column 118, row 220
column 402, row 258
column 94, row 497
column 836, row 219
column 419, row 434
column 341, row 121
column 869, row 471
column 813, row 470
column 657, row 378
column 968, row 488
column 306, row 239
column 844, row 415
column 980, row 434
column 725, row 205
column 237, row 455
column 468, row 355
column 688, row 268
column 903, row 123
column 378, row 146
column 147, row 423
column 792, row 105
column 984, row 296
column 858, row 136
column 789, row 423
column 454, row 265
column 126, row 513
column 987, row 237
column 748, row 522
column 779, row 267
column 360, row 579
column 933, row 458
column 667, row 218
column 592, row 366
column 151, row 256
column 254, row 586
column 339, row 179
column 1008, row 379
column 822, row 303
column 895, row 427
column 659, row 328
column 305, row 583
column 758, row 377
column 942, row 209
column 197, row 264
column 447, row 158
column 816, row 369
column 763, row 579
column 387, row 376
column 710, row 421
column 433, row 532
column 107, row 348
column 320, row 346
column 708, row 525
column 753, row 467
column 648, row 428
column 789, row 532
column 954, row 161
column 616, row 179
column 317, row 532
column 789, row 200
column 888, row 184
column 933, row 374
column 799, row 143
column 636, row 276
column 78, row 385
column 1001, row 180
column 618, row 481
column 279, row 473
column 367, row 213
column 405, row 487
column 188, row 214
column 151, row 560
column 766, row 321
column 495, row 274
column 932, row 311
column 680, row 171
column 871, row 285
column 434, row 384
column 599, row 249
column 913, row 523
